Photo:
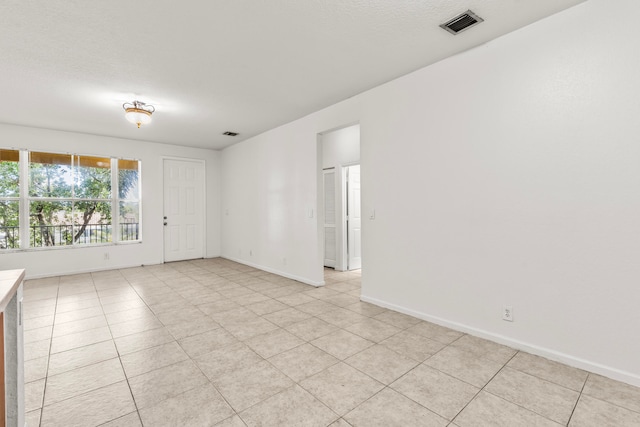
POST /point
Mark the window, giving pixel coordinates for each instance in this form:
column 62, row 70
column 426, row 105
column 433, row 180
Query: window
column 69, row 200
column 9, row 199
column 129, row 199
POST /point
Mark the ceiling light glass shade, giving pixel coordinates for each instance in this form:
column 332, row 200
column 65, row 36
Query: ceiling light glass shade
column 137, row 116
column 138, row 112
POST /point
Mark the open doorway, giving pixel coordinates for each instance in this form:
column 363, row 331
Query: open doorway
column 340, row 231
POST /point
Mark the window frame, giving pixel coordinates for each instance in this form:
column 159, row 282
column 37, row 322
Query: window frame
column 14, row 199
column 25, row 200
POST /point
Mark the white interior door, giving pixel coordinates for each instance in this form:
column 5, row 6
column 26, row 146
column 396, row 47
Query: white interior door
column 183, row 210
column 354, row 219
column 330, row 241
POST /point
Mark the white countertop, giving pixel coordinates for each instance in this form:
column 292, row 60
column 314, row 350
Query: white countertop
column 9, row 282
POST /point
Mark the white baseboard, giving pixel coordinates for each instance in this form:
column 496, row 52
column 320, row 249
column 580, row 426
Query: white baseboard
column 97, row 269
column 567, row 359
column 82, row 271
column 275, row 271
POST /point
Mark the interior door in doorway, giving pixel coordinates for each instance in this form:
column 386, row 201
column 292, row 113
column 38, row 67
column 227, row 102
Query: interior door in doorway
column 354, row 218
column 183, row 210
column 330, row 236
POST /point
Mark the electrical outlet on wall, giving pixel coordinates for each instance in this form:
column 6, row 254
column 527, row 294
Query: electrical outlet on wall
column 507, row 313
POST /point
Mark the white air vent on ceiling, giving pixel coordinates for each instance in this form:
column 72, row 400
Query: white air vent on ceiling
column 462, row 22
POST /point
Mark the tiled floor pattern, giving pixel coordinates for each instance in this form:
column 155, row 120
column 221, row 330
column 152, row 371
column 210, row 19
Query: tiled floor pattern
column 215, row 343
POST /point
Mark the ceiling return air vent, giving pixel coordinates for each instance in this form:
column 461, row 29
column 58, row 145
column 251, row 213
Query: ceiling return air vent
column 462, row 22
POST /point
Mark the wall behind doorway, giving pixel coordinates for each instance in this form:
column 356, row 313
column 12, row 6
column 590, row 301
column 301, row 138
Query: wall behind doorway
column 341, row 147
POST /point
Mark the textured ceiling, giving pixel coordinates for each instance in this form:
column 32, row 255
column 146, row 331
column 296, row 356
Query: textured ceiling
column 215, row 65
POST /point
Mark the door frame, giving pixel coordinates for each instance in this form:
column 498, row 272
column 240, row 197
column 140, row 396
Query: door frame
column 344, row 249
column 320, row 196
column 204, row 197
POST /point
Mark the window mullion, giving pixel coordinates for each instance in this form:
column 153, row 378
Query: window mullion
column 139, row 200
column 115, row 202
column 74, row 177
column 23, row 167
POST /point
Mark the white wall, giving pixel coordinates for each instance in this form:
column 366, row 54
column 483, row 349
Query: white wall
column 51, row 262
column 340, row 148
column 269, row 190
column 505, row 175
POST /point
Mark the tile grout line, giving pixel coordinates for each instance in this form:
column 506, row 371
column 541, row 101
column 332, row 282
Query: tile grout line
column 190, row 358
column 573, row 410
column 135, row 404
column 484, row 386
column 46, row 378
column 533, row 376
column 339, row 328
column 279, row 327
column 212, row 385
column 603, row 400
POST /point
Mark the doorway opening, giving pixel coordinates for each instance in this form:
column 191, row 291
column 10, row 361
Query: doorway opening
column 340, row 228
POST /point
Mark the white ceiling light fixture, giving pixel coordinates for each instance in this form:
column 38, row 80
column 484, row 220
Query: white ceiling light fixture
column 138, row 112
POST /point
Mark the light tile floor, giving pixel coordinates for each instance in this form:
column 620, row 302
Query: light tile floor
column 216, row 343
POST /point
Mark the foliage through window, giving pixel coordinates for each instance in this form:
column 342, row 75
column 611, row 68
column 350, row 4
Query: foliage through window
column 9, row 199
column 69, row 200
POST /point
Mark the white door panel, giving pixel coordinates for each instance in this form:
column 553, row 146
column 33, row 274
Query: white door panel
column 183, row 210
column 354, row 218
